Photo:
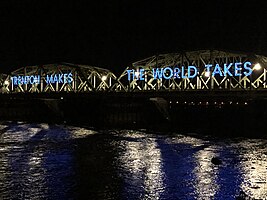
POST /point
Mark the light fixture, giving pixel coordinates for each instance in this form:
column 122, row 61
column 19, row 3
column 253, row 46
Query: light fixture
column 104, row 78
column 207, row 74
column 257, row 66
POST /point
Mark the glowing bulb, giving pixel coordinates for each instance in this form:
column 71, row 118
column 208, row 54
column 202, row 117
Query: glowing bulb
column 104, row 78
column 207, row 74
column 257, row 66
column 6, row 82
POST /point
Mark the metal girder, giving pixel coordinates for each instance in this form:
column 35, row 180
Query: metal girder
column 85, row 79
column 256, row 81
column 4, row 83
column 94, row 79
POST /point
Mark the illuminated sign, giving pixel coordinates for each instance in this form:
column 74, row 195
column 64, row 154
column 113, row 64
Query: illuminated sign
column 35, row 79
column 231, row 69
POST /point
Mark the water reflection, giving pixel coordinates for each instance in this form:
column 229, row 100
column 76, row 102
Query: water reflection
column 141, row 165
column 27, row 170
column 206, row 174
column 254, row 166
column 42, row 161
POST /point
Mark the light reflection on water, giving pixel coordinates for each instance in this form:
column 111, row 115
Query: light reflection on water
column 42, row 161
column 254, row 167
column 141, row 165
column 206, row 174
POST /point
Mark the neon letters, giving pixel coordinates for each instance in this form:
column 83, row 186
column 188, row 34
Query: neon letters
column 36, row 79
column 230, row 69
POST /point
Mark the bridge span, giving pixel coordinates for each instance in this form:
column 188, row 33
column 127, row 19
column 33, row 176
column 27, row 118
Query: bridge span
column 180, row 89
column 210, row 70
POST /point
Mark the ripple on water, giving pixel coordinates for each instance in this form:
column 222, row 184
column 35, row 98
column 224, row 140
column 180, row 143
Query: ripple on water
column 42, row 161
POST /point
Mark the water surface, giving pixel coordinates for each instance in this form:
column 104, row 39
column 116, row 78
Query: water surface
column 42, row 161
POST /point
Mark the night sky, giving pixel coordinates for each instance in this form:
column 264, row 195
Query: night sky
column 113, row 34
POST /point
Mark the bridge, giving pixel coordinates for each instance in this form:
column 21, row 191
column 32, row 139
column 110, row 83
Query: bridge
column 210, row 75
column 178, row 88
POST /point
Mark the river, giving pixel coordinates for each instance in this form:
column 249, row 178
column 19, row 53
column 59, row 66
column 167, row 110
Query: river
column 48, row 161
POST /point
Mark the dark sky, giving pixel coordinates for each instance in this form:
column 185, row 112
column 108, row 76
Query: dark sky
column 112, row 34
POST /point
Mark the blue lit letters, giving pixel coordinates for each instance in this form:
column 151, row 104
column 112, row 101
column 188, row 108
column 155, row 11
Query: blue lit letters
column 227, row 69
column 36, row 79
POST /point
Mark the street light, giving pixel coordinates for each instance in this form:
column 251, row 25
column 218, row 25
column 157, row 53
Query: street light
column 6, row 82
column 207, row 74
column 257, row 66
column 104, row 78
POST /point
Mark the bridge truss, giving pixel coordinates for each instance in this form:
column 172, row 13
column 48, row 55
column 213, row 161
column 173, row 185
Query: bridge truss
column 94, row 79
column 203, row 80
column 85, row 79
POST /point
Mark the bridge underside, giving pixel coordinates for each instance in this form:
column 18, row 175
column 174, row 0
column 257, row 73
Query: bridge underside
column 185, row 112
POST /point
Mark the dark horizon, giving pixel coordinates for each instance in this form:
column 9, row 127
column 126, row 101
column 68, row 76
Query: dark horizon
column 112, row 35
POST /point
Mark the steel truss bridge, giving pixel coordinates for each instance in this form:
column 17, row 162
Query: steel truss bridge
column 89, row 79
